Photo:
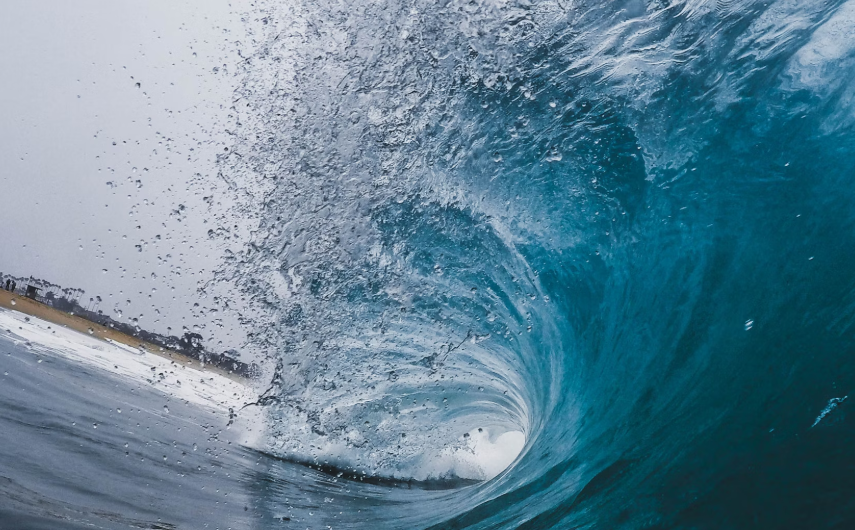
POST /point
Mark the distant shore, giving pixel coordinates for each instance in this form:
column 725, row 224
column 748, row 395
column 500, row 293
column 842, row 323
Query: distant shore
column 27, row 306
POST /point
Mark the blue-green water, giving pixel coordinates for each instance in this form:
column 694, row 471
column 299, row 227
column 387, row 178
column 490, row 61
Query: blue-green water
column 624, row 229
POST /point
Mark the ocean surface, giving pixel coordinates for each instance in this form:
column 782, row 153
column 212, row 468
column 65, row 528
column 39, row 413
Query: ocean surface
column 572, row 265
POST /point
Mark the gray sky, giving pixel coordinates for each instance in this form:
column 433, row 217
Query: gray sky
column 109, row 108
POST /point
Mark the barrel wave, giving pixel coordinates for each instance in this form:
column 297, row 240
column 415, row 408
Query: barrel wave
column 554, row 265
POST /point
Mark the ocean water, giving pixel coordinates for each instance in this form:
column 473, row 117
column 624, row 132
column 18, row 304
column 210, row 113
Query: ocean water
column 528, row 265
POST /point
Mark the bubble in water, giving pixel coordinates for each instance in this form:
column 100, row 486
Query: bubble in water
column 554, row 155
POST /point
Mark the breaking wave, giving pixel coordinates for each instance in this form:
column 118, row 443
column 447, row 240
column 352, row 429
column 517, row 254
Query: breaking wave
column 589, row 260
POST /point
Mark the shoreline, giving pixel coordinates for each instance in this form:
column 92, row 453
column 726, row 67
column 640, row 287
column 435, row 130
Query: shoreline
column 28, row 306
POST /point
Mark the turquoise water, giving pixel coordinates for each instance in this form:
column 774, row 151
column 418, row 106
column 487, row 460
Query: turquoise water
column 623, row 229
column 619, row 234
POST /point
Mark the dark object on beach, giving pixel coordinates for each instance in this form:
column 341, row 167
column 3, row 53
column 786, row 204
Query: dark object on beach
column 7, row 285
column 14, row 285
column 32, row 292
column 191, row 345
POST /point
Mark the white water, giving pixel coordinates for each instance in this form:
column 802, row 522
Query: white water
column 213, row 391
column 480, row 456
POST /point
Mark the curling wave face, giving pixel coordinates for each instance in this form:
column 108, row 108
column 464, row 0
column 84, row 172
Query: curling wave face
column 596, row 252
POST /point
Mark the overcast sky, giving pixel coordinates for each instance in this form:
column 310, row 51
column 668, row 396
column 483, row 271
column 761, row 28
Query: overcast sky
column 108, row 109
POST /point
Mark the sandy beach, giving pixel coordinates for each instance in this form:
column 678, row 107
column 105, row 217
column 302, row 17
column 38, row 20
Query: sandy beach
column 27, row 306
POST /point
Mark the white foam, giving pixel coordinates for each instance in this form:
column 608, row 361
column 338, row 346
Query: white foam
column 479, row 456
column 208, row 389
column 482, row 456
column 831, row 43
